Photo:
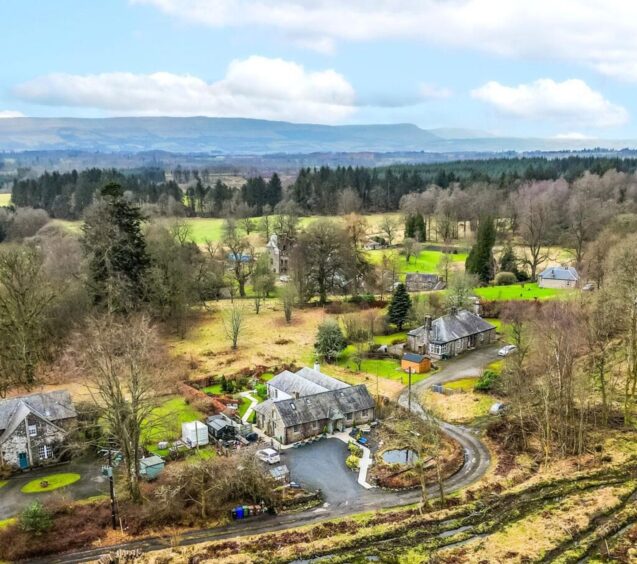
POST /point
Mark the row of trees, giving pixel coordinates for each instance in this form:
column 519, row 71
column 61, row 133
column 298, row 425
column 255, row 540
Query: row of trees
column 324, row 190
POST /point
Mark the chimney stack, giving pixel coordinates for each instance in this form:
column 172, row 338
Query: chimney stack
column 428, row 322
column 317, row 367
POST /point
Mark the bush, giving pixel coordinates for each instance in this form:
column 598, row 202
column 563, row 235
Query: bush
column 262, row 390
column 505, row 279
column 487, row 381
column 352, row 462
column 35, row 519
column 355, row 449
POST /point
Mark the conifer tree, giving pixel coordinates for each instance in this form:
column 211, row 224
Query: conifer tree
column 399, row 306
column 480, row 260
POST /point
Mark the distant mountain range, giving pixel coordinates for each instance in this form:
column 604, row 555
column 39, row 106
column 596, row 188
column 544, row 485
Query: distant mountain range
column 238, row 136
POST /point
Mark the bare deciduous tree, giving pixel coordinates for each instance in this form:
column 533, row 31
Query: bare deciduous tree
column 233, row 323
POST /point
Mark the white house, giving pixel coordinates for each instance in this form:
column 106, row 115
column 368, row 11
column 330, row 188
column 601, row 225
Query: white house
column 558, row 277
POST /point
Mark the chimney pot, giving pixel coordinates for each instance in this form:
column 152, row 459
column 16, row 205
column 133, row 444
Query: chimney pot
column 317, row 367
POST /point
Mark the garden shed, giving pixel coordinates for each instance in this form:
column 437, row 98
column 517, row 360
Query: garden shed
column 151, row 466
column 418, row 363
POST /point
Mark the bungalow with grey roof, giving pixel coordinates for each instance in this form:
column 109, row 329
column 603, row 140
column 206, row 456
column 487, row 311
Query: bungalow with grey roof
column 558, row 277
column 34, row 427
column 451, row 334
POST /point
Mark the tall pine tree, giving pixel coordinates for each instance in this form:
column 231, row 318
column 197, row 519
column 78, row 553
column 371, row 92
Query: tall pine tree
column 480, row 260
column 116, row 250
column 399, row 306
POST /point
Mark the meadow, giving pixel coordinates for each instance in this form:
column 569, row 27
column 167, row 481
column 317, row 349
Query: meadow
column 5, row 199
column 527, row 291
column 425, row 262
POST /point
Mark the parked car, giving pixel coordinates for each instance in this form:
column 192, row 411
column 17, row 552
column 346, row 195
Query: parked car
column 269, row 455
column 588, row 287
column 507, row 350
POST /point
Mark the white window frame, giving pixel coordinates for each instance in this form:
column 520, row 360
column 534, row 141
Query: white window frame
column 32, row 430
column 45, row 452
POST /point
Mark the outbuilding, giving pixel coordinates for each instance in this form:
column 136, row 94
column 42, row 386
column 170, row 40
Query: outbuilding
column 419, row 363
column 151, row 466
column 194, row 433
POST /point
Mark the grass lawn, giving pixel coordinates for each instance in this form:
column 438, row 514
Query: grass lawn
column 215, row 389
column 267, row 376
column 389, row 339
column 426, row 261
column 164, row 423
column 5, row 199
column 244, row 404
column 465, row 384
column 383, row 367
column 7, row 522
column 518, row 292
column 55, row 481
column 3, row 483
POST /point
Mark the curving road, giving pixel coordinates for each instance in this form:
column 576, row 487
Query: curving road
column 476, row 463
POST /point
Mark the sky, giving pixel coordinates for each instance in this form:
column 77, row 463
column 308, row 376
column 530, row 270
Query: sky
column 559, row 68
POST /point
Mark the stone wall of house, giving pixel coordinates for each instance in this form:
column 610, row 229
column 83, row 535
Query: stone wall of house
column 21, row 441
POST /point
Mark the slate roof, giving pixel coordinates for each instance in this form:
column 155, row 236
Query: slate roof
column 560, row 273
column 305, row 382
column 333, row 403
column 454, row 326
column 50, row 405
column 413, row 357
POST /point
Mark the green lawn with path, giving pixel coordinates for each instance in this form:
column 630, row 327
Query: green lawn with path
column 54, row 482
column 526, row 291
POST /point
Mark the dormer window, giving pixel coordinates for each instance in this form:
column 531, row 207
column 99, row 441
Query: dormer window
column 33, row 431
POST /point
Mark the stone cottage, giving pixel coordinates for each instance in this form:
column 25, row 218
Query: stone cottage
column 308, row 403
column 33, row 428
column 451, row 334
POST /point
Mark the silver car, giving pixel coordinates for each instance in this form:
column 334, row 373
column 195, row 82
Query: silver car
column 507, row 350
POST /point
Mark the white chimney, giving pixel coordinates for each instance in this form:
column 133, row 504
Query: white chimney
column 317, row 367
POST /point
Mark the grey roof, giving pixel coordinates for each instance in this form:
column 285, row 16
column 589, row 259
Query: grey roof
column 297, row 411
column 291, row 384
column 53, row 406
column 153, row 460
column 560, row 273
column 305, row 382
column 321, row 379
column 413, row 357
column 454, row 326
column 263, row 407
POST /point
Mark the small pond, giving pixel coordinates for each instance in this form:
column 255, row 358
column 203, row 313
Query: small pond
column 400, row 456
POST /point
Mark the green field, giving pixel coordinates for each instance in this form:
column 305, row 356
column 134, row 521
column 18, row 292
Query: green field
column 518, row 292
column 5, row 199
column 389, row 339
column 425, row 262
column 55, row 481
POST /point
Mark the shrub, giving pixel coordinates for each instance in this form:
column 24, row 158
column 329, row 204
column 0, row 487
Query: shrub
column 355, row 449
column 352, row 462
column 262, row 390
column 35, row 519
column 487, row 381
column 505, row 279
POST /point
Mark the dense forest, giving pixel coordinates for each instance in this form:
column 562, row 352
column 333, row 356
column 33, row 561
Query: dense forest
column 321, row 190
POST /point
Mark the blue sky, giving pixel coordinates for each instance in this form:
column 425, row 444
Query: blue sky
column 559, row 68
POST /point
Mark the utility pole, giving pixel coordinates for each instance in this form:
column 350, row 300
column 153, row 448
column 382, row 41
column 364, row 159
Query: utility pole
column 108, row 471
column 409, row 391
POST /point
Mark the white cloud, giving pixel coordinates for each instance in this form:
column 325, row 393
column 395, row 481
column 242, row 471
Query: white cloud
column 434, row 92
column 570, row 102
column 5, row 114
column 256, row 87
column 597, row 33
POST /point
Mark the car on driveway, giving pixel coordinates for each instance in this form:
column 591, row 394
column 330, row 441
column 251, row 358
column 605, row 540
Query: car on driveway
column 507, row 350
column 269, row 455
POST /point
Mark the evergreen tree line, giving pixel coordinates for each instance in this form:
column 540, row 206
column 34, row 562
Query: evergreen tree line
column 323, row 190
